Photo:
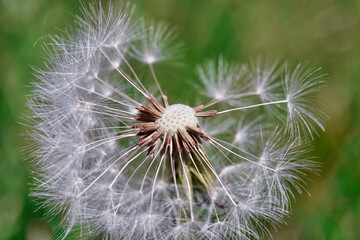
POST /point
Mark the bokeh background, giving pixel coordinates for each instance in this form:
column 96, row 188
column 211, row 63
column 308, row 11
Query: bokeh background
column 325, row 32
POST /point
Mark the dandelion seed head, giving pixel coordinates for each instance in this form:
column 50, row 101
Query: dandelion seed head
column 118, row 162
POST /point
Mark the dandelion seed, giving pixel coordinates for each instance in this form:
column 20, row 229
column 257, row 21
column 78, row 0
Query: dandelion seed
column 121, row 163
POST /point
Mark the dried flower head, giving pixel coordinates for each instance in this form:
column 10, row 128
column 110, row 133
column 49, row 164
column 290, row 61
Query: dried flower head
column 120, row 162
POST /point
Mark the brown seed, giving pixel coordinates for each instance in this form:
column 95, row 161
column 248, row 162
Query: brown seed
column 167, row 142
column 147, row 128
column 152, row 111
column 143, row 125
column 186, row 140
column 146, row 140
column 177, row 146
column 199, row 132
column 144, row 117
column 199, row 108
column 157, row 134
column 156, row 103
column 209, row 113
column 154, row 147
column 165, row 100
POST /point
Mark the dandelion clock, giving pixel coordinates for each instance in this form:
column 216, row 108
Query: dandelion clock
column 115, row 156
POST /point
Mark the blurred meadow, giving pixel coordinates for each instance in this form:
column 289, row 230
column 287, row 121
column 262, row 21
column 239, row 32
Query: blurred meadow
column 324, row 32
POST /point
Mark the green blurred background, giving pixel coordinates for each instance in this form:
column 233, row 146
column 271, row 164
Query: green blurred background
column 326, row 32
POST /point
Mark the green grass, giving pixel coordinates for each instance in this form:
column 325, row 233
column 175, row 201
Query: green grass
column 325, row 32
